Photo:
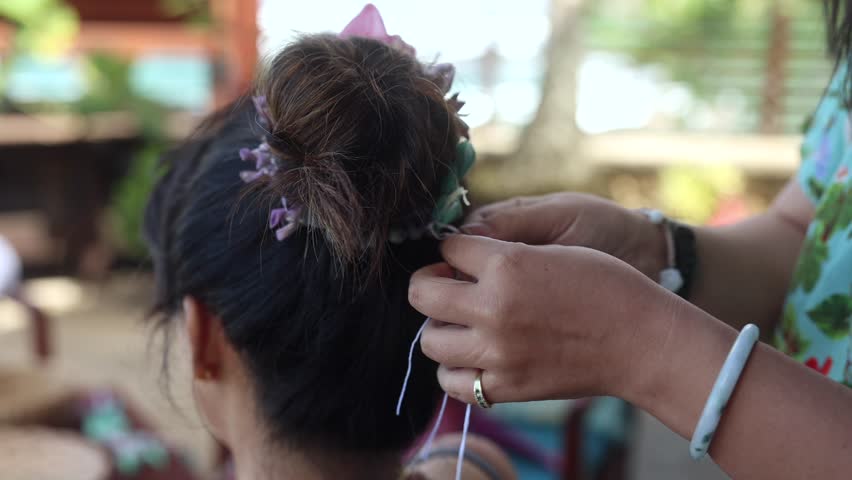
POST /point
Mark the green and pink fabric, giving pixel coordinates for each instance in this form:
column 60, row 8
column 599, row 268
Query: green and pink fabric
column 815, row 326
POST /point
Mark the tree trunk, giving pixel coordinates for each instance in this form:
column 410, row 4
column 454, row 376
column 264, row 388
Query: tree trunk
column 551, row 139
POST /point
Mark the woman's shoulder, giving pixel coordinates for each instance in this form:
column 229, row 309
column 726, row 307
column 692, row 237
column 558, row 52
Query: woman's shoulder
column 828, row 135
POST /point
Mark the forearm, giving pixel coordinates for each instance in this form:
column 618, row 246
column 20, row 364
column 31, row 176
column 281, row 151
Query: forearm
column 744, row 269
column 784, row 421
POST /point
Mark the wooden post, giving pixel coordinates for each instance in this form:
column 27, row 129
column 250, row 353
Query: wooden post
column 235, row 67
column 776, row 71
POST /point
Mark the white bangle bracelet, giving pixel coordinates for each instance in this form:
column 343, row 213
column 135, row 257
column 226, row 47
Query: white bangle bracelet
column 722, row 390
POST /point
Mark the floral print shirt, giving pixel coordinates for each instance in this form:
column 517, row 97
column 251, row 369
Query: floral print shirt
column 815, row 327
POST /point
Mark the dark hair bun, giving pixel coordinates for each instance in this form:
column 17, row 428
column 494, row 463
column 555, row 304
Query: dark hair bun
column 365, row 134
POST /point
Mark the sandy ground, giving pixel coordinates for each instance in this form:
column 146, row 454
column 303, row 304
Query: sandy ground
column 101, row 340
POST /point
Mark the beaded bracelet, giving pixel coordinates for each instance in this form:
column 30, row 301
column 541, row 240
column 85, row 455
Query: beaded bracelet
column 722, row 390
column 670, row 277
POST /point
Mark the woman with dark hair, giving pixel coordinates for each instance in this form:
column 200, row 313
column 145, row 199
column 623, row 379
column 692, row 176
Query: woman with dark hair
column 283, row 236
column 574, row 296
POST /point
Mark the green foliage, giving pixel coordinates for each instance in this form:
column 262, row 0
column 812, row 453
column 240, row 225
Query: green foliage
column 689, row 19
column 693, row 193
column 109, row 89
column 832, row 316
column 690, row 38
column 44, row 27
column 693, row 24
column 196, row 12
column 109, row 80
column 48, row 28
column 131, row 195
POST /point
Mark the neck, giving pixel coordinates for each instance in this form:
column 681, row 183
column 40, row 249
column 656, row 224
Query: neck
column 262, row 461
column 256, row 458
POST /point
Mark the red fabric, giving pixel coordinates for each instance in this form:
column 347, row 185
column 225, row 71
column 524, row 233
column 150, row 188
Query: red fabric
column 824, row 368
column 730, row 210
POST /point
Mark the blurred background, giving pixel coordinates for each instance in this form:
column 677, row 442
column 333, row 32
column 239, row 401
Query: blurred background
column 695, row 107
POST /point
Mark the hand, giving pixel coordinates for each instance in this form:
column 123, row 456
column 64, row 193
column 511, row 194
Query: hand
column 575, row 219
column 541, row 322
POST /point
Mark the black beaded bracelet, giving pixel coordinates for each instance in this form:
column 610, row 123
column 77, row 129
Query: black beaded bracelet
column 686, row 255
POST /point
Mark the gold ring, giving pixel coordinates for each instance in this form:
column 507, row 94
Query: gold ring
column 478, row 393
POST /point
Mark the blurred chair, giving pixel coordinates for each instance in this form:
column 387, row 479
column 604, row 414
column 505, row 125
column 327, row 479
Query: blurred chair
column 29, row 394
column 10, row 269
column 10, row 283
column 32, row 396
column 585, row 439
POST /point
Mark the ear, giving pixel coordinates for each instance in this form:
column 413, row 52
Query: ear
column 206, row 339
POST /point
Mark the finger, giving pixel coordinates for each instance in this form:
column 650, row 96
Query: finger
column 486, row 211
column 470, row 254
column 453, row 345
column 441, row 271
column 458, row 383
column 527, row 224
column 534, row 223
column 433, row 292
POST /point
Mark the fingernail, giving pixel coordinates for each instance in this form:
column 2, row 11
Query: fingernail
column 479, row 229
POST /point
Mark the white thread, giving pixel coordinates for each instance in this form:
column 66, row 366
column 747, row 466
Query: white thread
column 427, row 447
column 458, row 194
column 460, row 461
column 440, row 230
column 408, row 371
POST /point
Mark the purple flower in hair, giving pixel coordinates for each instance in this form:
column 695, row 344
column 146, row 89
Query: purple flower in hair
column 444, row 74
column 262, row 108
column 264, row 160
column 284, row 220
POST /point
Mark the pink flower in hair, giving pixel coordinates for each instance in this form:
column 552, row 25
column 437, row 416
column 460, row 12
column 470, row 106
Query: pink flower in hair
column 369, row 24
